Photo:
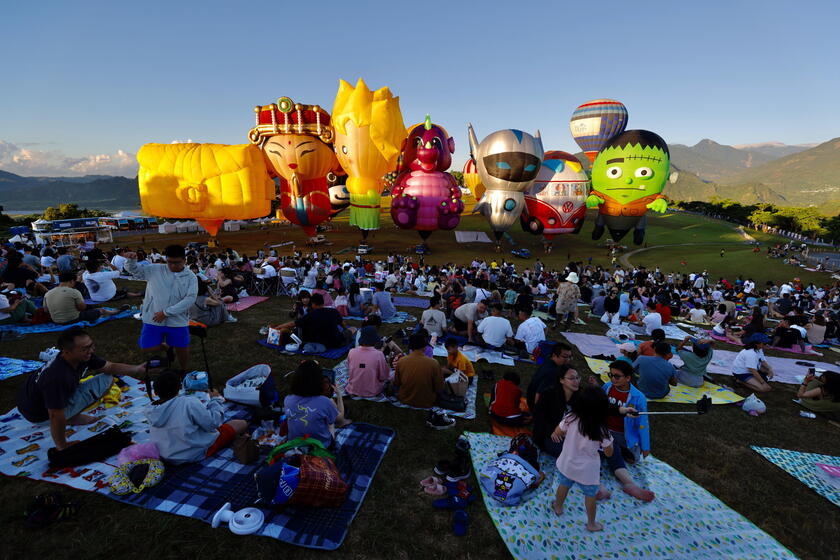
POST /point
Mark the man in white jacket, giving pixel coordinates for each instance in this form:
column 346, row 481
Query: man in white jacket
column 170, row 291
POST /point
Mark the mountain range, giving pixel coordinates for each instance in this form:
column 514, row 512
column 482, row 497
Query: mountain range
column 93, row 191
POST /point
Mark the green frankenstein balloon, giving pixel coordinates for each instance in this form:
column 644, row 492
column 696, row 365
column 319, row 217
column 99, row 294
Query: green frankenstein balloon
column 628, row 176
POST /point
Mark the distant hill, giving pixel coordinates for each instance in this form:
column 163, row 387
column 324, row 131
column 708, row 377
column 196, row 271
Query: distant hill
column 715, row 162
column 776, row 149
column 810, row 177
column 690, row 187
column 95, row 191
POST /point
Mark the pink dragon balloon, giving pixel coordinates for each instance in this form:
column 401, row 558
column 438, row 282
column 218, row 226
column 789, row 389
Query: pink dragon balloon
column 425, row 197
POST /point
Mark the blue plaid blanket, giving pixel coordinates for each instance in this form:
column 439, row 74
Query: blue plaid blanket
column 330, row 354
column 200, row 489
column 10, row 367
column 52, row 327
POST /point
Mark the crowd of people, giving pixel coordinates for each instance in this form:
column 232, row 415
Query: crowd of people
column 493, row 305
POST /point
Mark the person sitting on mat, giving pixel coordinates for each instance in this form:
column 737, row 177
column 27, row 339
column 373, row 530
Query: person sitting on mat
column 309, row 412
column 368, row 370
column 630, row 432
column 750, row 368
column 505, row 401
column 646, row 347
column 693, row 371
column 820, row 393
column 65, row 303
column 418, row 379
column 54, row 392
column 184, row 428
column 456, row 360
column 656, row 373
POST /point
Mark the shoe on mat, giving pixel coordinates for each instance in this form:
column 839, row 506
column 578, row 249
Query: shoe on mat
column 437, row 489
column 430, row 481
column 459, row 470
column 460, row 522
column 442, row 467
column 440, row 422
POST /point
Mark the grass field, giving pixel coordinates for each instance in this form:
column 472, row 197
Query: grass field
column 397, row 522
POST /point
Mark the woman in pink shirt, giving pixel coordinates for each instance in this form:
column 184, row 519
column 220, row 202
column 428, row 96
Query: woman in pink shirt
column 367, row 367
column 585, row 431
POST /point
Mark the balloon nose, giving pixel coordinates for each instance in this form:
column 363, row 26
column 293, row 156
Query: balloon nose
column 292, row 166
column 428, row 145
column 629, row 180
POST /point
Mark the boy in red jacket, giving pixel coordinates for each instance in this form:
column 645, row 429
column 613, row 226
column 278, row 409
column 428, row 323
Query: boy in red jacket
column 504, row 406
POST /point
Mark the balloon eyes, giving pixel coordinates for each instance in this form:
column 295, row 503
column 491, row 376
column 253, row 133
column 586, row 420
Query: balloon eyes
column 436, row 141
column 644, row 172
column 344, row 150
column 510, row 204
column 530, row 167
column 418, row 142
column 502, row 165
column 614, row 172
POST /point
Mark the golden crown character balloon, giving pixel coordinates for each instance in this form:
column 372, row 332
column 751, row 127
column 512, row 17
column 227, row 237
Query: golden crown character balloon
column 369, row 134
column 297, row 142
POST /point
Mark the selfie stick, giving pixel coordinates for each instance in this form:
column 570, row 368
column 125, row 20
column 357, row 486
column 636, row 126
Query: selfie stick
column 703, row 406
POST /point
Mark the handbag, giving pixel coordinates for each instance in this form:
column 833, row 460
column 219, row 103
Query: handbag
column 91, row 450
column 450, row 401
column 245, row 449
column 319, row 483
column 458, row 383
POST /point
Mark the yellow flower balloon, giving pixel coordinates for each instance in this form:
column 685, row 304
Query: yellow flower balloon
column 369, row 133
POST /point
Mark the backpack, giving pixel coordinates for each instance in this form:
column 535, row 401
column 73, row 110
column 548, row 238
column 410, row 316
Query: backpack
column 509, row 479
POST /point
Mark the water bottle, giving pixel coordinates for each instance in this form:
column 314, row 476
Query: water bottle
column 806, row 414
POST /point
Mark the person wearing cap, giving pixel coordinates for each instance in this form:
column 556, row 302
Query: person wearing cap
column 568, row 295
column 693, row 370
column 368, row 369
column 750, row 368
column 629, row 352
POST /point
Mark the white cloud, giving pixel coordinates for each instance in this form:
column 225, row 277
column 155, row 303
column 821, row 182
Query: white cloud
column 25, row 161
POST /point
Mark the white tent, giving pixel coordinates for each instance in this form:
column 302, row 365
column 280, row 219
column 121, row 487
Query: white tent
column 166, row 227
column 181, row 227
column 192, row 227
column 232, row 226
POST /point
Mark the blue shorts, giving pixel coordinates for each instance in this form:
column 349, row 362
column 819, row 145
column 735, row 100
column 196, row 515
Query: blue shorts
column 748, row 376
column 154, row 335
column 589, row 490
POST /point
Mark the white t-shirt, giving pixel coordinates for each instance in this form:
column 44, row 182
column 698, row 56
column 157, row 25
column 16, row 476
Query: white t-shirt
column 495, row 330
column 268, row 271
column 119, row 262
column 785, row 289
column 652, row 321
column 434, row 321
column 47, row 262
column 480, row 295
column 101, row 285
column 746, row 360
column 531, row 332
column 697, row 315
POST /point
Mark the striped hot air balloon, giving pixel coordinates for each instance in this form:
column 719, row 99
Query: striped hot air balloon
column 595, row 122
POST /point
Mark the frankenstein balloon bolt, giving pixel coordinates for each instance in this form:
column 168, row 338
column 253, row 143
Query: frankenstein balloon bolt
column 628, row 176
column 369, row 134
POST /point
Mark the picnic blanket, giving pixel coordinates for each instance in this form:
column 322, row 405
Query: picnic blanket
column 52, row 327
column 245, row 303
column 471, row 237
column 808, row 348
column 408, row 301
column 802, row 466
column 684, row 522
column 682, row 394
column 476, row 353
column 10, row 367
column 400, row 317
column 200, row 489
column 591, row 344
column 342, row 376
column 330, row 354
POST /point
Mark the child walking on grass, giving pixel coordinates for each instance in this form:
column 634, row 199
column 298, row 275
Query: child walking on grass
column 585, row 431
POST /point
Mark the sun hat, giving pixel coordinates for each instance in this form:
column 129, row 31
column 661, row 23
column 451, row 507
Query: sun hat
column 369, row 336
column 627, row 347
column 572, row 277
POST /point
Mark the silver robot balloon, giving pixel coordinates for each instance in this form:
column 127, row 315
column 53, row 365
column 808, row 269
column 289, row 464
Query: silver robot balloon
column 507, row 162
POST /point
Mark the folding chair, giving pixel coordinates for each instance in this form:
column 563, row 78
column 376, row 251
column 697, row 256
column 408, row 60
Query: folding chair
column 287, row 284
column 264, row 286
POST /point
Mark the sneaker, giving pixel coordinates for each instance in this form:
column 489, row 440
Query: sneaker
column 460, row 469
column 463, row 444
column 440, row 422
column 232, row 319
column 442, row 467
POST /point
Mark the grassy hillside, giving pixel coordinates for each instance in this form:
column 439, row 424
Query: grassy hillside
column 715, row 162
column 807, row 178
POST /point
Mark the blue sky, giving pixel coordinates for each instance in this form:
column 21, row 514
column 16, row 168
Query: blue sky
column 85, row 84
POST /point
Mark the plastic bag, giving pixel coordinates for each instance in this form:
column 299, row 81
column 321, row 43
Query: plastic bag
column 753, row 405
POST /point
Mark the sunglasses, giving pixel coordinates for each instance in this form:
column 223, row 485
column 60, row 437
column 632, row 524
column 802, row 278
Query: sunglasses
column 616, row 375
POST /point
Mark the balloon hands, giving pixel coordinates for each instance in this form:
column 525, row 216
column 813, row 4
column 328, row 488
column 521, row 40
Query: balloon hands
column 658, row 205
column 593, row 201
